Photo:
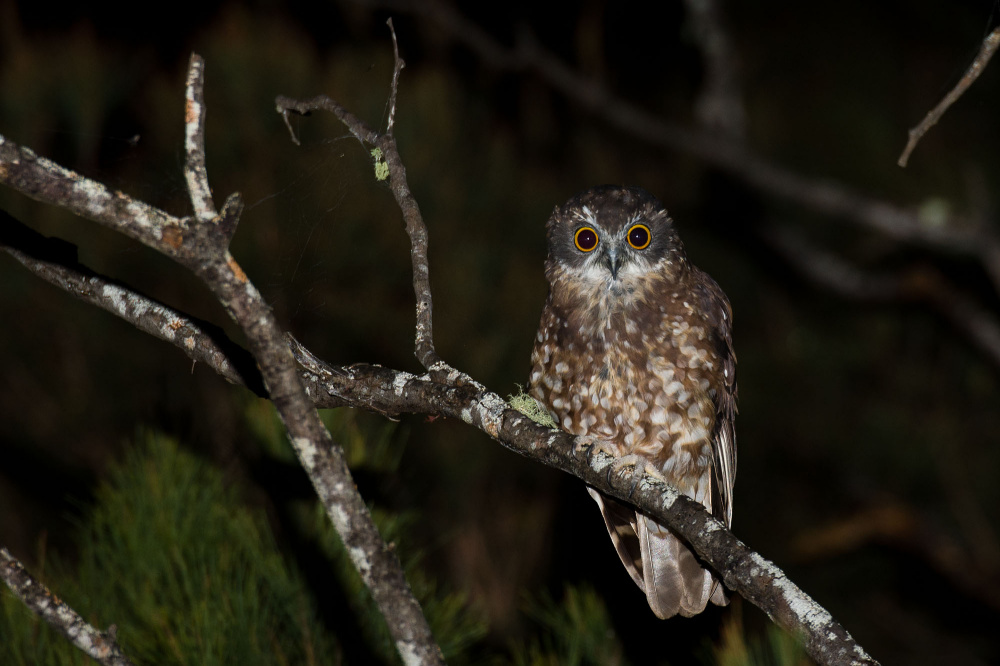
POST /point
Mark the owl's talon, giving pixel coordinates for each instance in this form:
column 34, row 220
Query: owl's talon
column 594, row 446
column 626, row 465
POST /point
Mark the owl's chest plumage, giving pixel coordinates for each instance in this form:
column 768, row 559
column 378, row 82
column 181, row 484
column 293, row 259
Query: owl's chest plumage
column 632, row 363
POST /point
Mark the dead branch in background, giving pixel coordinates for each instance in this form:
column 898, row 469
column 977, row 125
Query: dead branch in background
column 954, row 235
column 986, row 52
column 920, row 284
column 719, row 105
column 896, row 525
column 99, row 645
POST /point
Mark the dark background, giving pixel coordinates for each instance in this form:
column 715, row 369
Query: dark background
column 867, row 431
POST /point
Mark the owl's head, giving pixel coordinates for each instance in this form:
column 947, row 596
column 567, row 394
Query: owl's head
column 610, row 235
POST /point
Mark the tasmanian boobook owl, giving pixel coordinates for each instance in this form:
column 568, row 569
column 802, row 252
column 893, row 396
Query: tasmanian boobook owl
column 635, row 348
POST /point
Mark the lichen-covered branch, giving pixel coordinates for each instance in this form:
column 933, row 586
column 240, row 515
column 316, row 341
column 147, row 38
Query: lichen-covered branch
column 743, row 570
column 201, row 244
column 394, row 393
column 195, row 170
column 55, row 261
column 99, row 645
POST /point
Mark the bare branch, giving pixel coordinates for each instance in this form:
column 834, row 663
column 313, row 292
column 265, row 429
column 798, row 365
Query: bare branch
column 918, row 285
column 99, row 645
column 897, row 525
column 416, row 229
column 54, row 261
column 398, row 66
column 195, row 171
column 986, row 52
column 202, row 246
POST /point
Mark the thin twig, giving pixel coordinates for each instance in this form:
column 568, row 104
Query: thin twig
column 416, row 229
column 397, row 67
column 54, row 261
column 195, row 171
column 99, row 645
column 986, row 52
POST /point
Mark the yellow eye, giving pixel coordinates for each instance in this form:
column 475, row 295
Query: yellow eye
column 638, row 236
column 585, row 239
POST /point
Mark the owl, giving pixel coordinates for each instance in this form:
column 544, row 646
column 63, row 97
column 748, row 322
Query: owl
column 635, row 348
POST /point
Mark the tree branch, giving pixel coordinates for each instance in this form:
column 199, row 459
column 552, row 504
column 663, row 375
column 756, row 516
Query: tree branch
column 416, row 229
column 195, row 170
column 917, row 285
column 743, row 570
column 393, row 393
column 986, row 52
column 55, row 261
column 202, row 246
column 99, row 645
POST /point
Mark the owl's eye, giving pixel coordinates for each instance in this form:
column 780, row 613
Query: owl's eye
column 638, row 236
column 585, row 239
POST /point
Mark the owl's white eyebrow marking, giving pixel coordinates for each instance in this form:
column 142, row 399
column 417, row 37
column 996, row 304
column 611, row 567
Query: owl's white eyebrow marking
column 585, row 214
column 635, row 218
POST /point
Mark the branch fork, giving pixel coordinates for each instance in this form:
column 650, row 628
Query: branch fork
column 201, row 244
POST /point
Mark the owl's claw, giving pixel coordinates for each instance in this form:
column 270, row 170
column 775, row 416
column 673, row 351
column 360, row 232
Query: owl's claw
column 632, row 465
column 593, row 446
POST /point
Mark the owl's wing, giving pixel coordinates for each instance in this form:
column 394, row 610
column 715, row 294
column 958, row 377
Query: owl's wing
column 623, row 528
column 666, row 571
column 720, row 319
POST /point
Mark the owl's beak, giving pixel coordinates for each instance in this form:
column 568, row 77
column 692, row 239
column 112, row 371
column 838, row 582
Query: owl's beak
column 613, row 260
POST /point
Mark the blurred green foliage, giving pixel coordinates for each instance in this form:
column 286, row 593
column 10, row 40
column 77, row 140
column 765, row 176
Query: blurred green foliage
column 172, row 553
column 187, row 572
column 576, row 632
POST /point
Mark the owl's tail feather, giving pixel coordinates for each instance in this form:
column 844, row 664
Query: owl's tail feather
column 664, row 568
column 675, row 581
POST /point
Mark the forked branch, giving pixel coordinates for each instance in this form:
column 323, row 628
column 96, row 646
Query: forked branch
column 201, row 245
column 442, row 391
